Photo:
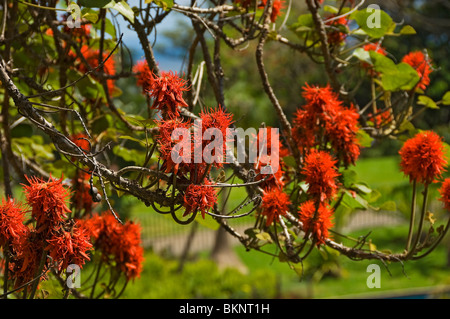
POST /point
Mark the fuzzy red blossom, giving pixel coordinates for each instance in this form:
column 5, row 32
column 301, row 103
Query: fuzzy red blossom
column 81, row 195
column 47, row 200
column 324, row 119
column 321, row 175
column 277, row 5
column 82, row 141
column 422, row 157
column 322, row 106
column 275, row 203
column 445, row 193
column 92, row 58
column 144, row 75
column 199, row 198
column 317, row 223
column 25, row 263
column 342, row 134
column 422, row 64
column 166, row 144
column 69, row 246
column 381, row 118
column 167, row 92
column 215, row 122
column 335, row 29
column 12, row 229
column 275, row 150
column 120, row 245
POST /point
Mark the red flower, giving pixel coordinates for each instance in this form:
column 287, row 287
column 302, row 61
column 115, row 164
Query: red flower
column 166, row 144
column 92, row 57
column 381, row 118
column 422, row 65
column 341, row 133
column 167, row 92
column 422, row 157
column 69, row 246
column 320, row 174
column 272, row 152
column 275, row 203
column 199, row 198
column 321, row 108
column 277, row 5
column 445, row 193
column 316, row 223
column 335, row 35
column 81, row 196
column 323, row 119
column 48, row 201
column 121, row 245
column 81, row 140
column 216, row 122
column 25, row 262
column 144, row 75
column 12, row 229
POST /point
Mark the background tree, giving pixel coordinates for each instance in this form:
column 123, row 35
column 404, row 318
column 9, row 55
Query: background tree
column 64, row 115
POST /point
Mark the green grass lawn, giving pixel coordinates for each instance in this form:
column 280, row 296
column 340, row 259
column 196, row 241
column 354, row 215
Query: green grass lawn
column 346, row 278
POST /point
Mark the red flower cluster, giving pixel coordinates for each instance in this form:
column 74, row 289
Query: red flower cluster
column 199, row 198
column 92, row 58
column 320, row 174
column 144, row 75
column 166, row 144
column 48, row 202
column 445, row 193
column 323, row 119
column 335, row 34
column 277, row 5
column 316, row 220
column 69, row 246
column 422, row 65
column 381, row 118
column 275, row 203
column 276, row 179
column 12, row 229
column 216, row 122
column 81, row 196
column 167, row 92
column 119, row 244
column 65, row 242
column 422, row 157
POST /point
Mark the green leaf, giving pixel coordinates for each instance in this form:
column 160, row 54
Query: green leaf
column 446, row 98
column 354, row 201
column 123, row 8
column 290, row 161
column 126, row 137
column 362, row 55
column 264, row 236
column 165, row 4
column 364, row 139
column 407, row 29
column 389, row 206
column 93, row 3
column 374, row 22
column 92, row 17
column 350, row 177
column 394, row 77
column 361, row 188
column 129, row 155
column 427, row 101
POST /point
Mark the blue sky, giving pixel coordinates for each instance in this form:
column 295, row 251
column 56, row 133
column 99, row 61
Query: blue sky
column 166, row 63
